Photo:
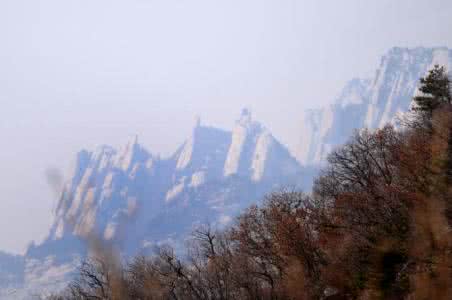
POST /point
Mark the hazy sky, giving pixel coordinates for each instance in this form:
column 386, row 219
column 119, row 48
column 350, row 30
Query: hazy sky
column 78, row 73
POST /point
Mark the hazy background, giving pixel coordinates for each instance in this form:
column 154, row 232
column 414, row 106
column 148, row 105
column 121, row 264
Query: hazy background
column 78, row 73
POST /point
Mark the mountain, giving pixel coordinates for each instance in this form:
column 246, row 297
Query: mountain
column 368, row 103
column 137, row 199
column 134, row 200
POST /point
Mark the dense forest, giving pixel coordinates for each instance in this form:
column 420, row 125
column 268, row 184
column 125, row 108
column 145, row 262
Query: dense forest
column 377, row 225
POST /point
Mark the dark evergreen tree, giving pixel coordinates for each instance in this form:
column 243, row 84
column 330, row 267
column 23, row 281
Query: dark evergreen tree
column 435, row 88
column 436, row 93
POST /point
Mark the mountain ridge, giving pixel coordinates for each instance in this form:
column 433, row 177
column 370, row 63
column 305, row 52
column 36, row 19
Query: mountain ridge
column 108, row 186
column 368, row 103
column 133, row 201
column 136, row 200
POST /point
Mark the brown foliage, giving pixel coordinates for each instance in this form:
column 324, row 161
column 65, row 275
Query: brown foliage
column 376, row 226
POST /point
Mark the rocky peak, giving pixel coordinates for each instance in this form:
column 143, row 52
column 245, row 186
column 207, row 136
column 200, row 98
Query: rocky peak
column 369, row 103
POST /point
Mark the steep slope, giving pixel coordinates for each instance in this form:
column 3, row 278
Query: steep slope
column 113, row 192
column 369, row 103
column 133, row 200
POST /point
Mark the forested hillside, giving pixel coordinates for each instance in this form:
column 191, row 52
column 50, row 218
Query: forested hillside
column 377, row 225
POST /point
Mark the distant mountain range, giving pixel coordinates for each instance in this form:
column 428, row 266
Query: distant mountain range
column 138, row 200
column 134, row 200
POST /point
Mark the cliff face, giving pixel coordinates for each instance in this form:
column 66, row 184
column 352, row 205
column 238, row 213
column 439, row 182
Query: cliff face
column 133, row 197
column 368, row 103
column 134, row 200
column 131, row 200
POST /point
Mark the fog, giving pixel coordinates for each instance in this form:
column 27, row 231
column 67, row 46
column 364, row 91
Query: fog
column 78, row 73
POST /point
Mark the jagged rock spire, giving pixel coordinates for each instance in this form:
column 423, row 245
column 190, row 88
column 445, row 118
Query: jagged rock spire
column 245, row 116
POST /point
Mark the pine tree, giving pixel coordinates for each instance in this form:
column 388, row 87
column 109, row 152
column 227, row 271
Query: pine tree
column 436, row 93
column 435, row 88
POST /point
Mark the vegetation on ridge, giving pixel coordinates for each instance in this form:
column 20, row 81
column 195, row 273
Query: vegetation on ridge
column 377, row 225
